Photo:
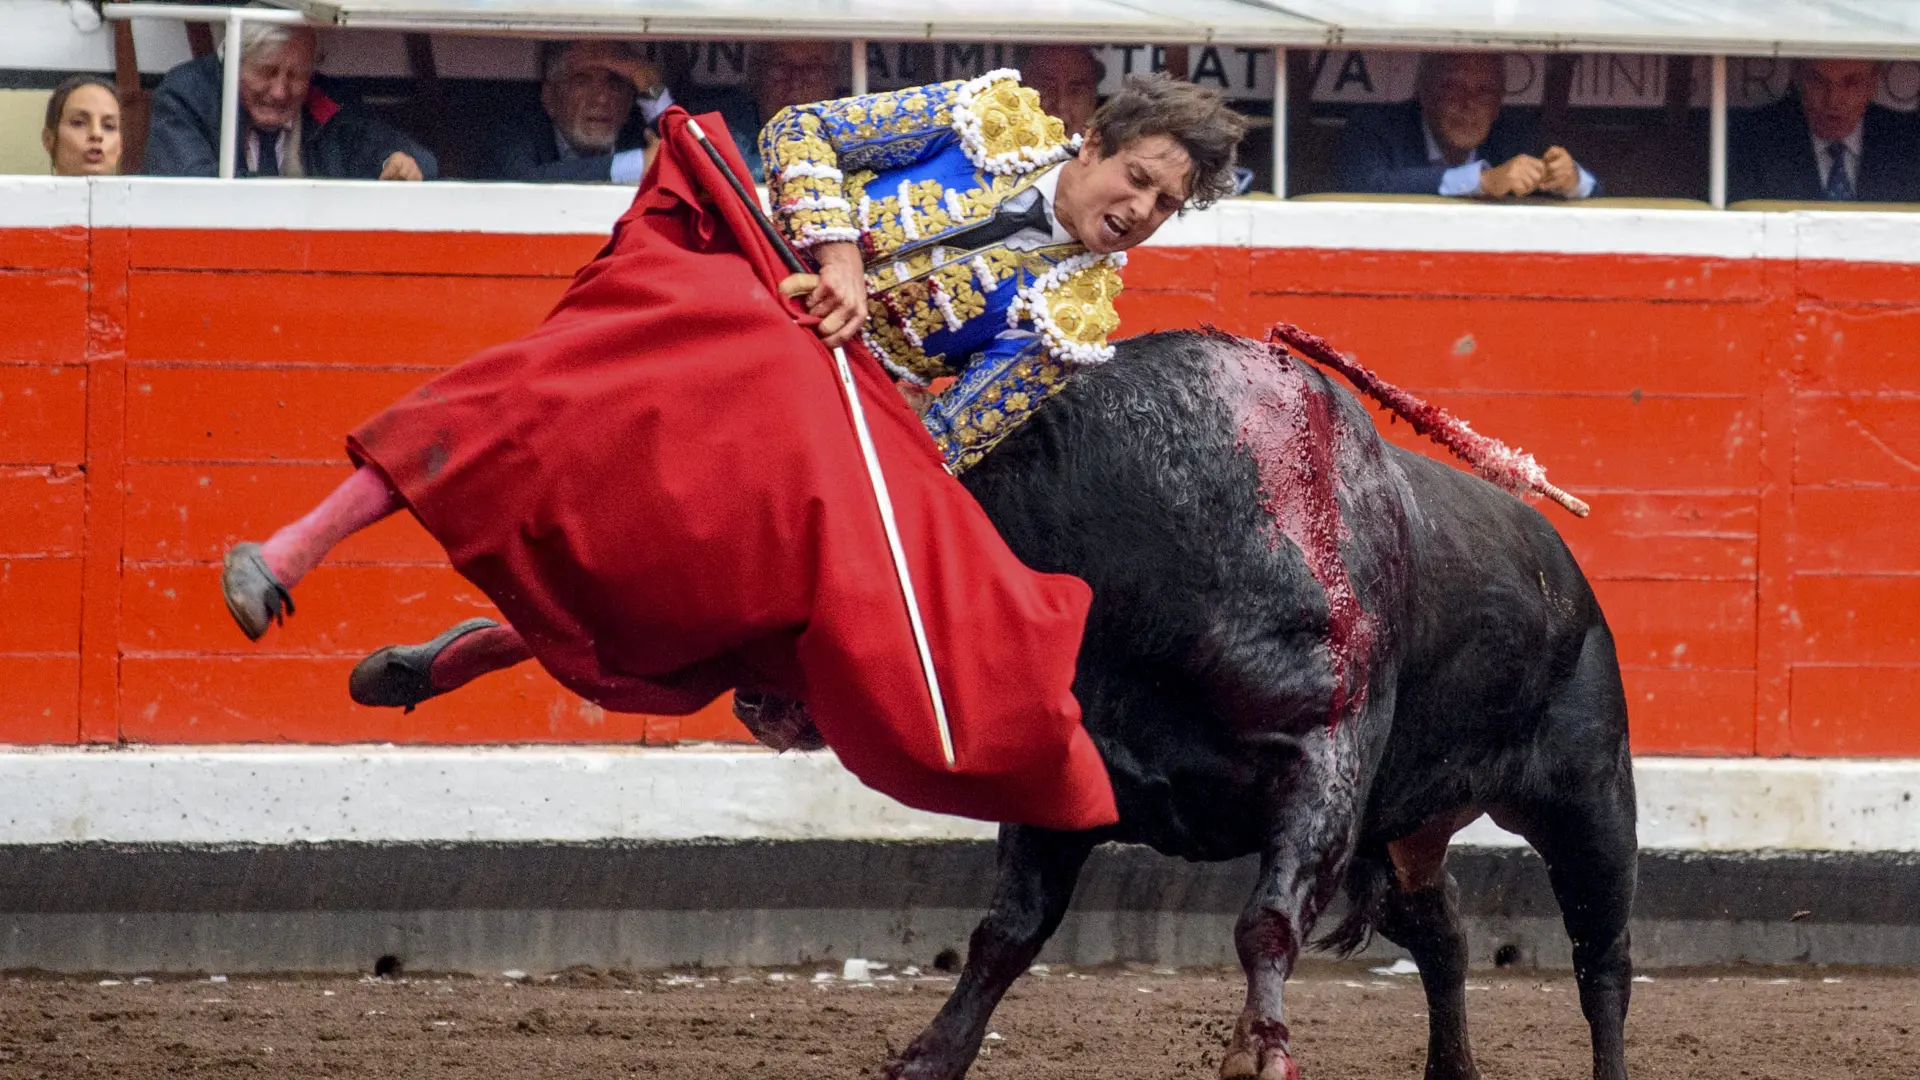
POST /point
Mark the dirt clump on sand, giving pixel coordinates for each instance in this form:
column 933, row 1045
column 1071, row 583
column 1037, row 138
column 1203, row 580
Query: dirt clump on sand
column 1060, row 1024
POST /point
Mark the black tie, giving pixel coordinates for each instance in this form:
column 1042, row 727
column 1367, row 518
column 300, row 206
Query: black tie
column 1002, row 224
column 269, row 153
column 1839, row 184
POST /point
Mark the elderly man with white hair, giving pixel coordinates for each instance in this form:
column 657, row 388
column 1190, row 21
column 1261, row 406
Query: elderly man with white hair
column 290, row 125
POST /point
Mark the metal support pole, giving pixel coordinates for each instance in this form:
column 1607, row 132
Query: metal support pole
column 859, row 67
column 198, row 13
column 230, row 96
column 1280, row 121
column 1717, row 141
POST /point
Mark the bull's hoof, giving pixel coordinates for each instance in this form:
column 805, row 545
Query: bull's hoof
column 1258, row 1051
column 929, row 1059
column 911, row 1066
column 1244, row 1065
column 1240, row 1064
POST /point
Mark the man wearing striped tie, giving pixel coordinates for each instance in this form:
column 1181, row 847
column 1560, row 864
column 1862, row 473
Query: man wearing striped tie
column 1825, row 141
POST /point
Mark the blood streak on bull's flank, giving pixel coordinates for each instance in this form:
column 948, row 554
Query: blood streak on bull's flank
column 1294, row 434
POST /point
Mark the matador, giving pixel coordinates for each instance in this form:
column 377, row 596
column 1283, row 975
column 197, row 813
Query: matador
column 658, row 487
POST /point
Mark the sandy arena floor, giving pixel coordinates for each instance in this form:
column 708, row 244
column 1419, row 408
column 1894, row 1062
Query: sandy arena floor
column 1107, row 1023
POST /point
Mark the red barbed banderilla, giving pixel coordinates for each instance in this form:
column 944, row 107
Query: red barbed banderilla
column 1491, row 459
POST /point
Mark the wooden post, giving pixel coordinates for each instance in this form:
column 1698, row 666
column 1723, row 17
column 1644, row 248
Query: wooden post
column 199, row 39
column 427, row 115
column 135, row 108
column 1176, row 60
column 1555, row 92
column 1681, row 149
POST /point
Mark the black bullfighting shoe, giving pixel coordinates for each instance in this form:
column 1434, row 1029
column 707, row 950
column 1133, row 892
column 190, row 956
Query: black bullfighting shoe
column 780, row 723
column 398, row 676
column 255, row 597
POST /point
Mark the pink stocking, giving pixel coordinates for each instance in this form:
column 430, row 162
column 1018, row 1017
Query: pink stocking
column 473, row 655
column 359, row 502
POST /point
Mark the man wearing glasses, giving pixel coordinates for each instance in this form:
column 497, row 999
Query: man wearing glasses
column 586, row 131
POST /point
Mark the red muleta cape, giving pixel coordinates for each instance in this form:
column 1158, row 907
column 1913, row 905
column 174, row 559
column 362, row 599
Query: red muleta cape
column 661, row 490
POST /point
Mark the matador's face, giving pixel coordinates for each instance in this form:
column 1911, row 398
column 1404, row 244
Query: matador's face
column 1115, row 201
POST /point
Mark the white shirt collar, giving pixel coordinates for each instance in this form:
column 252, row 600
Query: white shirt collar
column 1048, row 183
column 1435, row 156
column 1856, row 138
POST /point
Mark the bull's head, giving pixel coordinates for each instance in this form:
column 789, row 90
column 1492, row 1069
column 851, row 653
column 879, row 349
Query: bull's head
column 781, row 723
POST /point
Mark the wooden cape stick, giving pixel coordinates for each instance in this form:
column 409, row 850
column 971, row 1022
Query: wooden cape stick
column 867, row 452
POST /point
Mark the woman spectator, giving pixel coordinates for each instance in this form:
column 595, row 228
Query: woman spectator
column 82, row 135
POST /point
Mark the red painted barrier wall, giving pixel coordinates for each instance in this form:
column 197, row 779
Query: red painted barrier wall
column 1742, row 427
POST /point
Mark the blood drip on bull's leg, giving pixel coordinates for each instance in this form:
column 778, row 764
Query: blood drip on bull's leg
column 1294, row 435
column 1491, row 459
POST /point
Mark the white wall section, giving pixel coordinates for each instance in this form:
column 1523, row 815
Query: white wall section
column 256, row 795
column 591, row 209
column 41, row 202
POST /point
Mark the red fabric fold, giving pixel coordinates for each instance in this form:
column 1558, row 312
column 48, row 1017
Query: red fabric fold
column 661, row 490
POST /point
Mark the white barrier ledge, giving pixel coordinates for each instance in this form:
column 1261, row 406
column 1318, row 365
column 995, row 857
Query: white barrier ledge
column 207, row 795
column 41, row 202
column 591, row 209
column 375, row 794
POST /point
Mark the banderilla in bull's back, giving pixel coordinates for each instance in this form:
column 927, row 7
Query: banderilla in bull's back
column 1491, row 459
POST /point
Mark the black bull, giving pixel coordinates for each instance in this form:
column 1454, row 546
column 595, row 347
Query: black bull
column 1310, row 645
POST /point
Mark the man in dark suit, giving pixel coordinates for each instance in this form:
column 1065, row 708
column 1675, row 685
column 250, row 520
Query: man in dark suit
column 1826, row 141
column 1455, row 139
column 290, row 122
column 585, row 130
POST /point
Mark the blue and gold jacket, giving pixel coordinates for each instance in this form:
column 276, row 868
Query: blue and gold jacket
column 898, row 172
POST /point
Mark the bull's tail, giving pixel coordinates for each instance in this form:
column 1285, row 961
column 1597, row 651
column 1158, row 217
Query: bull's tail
column 1369, row 881
column 1492, row 459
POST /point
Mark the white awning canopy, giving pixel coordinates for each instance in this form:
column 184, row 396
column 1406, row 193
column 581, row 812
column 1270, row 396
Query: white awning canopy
column 1856, row 28
column 1851, row 28
column 1098, row 21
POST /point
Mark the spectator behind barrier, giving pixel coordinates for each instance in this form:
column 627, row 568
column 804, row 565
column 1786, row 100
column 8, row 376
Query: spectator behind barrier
column 780, row 73
column 291, row 122
column 1446, row 140
column 1068, row 80
column 1788, row 150
column 583, row 133
column 82, row 135
column 1067, row 77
